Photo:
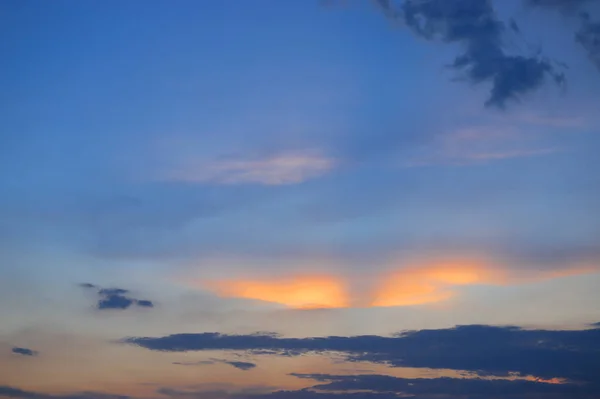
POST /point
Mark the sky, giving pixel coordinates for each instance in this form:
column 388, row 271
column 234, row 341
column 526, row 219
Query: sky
column 299, row 199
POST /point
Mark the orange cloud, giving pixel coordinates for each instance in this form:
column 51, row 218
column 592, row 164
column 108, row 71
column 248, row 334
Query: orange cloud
column 296, row 292
column 554, row 380
column 425, row 282
column 431, row 282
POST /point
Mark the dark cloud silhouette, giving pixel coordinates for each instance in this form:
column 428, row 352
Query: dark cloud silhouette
column 24, row 351
column 573, row 355
column 11, row 392
column 285, row 353
column 475, row 25
column 241, row 365
column 145, row 303
column 445, row 386
column 237, row 364
column 87, row 285
column 115, row 298
column 369, row 386
column 112, row 291
column 200, row 363
column 115, row 302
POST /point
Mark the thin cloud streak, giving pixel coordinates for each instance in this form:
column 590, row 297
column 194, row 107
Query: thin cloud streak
column 479, row 145
column 281, row 169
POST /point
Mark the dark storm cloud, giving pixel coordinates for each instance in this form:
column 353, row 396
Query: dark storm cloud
column 115, row 298
column 24, row 351
column 574, row 355
column 475, row 25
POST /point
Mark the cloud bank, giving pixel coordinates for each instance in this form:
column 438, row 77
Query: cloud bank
column 486, row 350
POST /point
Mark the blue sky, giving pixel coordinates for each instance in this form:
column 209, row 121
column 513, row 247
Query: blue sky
column 295, row 167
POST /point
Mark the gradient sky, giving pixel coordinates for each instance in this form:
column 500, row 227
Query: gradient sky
column 305, row 168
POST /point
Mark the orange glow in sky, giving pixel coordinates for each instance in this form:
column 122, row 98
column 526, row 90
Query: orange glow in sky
column 424, row 282
column 430, row 283
column 298, row 292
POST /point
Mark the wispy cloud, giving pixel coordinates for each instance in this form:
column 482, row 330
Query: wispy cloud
column 279, row 169
column 478, row 145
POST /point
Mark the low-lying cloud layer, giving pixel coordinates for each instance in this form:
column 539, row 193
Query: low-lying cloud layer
column 570, row 355
column 489, row 362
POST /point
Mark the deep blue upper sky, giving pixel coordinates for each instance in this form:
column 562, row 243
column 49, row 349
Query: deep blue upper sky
column 404, row 164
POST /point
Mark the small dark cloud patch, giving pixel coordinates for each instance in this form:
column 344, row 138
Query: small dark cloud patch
column 487, row 350
column 474, row 25
column 115, row 302
column 237, row 364
column 87, row 285
column 145, row 303
column 116, row 298
column 112, row 291
column 24, row 351
column 199, row 363
column 241, row 365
